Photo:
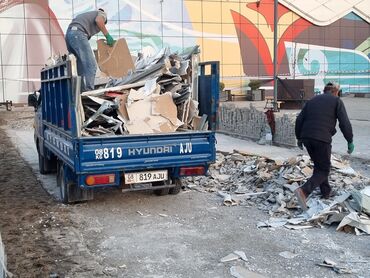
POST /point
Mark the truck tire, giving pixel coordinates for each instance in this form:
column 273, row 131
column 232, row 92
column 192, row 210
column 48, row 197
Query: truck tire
column 45, row 166
column 63, row 184
column 178, row 185
column 162, row 191
column 69, row 191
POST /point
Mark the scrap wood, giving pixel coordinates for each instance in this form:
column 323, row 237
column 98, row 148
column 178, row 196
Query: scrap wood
column 193, row 110
column 97, row 99
column 200, row 123
column 122, row 108
column 101, row 92
column 334, row 266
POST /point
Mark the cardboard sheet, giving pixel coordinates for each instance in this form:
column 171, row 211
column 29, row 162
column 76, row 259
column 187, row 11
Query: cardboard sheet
column 122, row 107
column 140, row 109
column 115, row 61
column 163, row 105
column 138, row 126
column 136, row 95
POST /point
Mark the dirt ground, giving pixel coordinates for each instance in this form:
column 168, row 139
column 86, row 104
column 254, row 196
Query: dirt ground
column 142, row 235
column 37, row 231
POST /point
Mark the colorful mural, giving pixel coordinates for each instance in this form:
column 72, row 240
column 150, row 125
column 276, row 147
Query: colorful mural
column 327, row 42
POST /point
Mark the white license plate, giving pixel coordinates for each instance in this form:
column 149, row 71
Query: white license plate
column 147, row 176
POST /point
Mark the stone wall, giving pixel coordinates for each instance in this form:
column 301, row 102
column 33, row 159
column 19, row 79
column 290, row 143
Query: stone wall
column 249, row 122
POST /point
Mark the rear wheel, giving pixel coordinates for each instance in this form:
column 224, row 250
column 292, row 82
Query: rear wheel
column 63, row 184
column 162, row 191
column 69, row 191
column 178, row 184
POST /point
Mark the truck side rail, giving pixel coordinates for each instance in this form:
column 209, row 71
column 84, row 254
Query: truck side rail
column 58, row 87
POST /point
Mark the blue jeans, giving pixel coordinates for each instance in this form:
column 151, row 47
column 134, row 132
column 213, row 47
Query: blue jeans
column 78, row 44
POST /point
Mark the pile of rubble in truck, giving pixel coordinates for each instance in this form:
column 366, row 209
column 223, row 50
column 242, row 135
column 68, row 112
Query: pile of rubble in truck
column 155, row 96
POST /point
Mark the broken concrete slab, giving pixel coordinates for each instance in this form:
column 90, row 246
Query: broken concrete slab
column 229, row 258
column 241, row 272
column 288, row 255
column 242, row 255
column 355, row 221
column 362, row 200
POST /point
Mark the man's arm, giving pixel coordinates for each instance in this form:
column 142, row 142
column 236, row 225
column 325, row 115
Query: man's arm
column 299, row 123
column 344, row 123
column 100, row 21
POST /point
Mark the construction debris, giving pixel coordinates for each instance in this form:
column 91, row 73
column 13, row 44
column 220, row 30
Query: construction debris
column 353, row 221
column 234, row 256
column 241, row 272
column 250, row 180
column 114, row 61
column 288, row 255
column 335, row 267
column 153, row 96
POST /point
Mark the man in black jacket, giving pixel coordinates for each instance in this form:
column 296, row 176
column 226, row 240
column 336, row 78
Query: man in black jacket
column 314, row 128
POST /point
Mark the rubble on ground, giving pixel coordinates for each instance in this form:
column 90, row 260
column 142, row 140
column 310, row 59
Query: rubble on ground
column 156, row 96
column 248, row 180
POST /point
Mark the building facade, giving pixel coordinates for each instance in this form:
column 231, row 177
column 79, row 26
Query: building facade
column 325, row 40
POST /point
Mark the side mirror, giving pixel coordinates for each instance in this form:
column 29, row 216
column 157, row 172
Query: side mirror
column 33, row 100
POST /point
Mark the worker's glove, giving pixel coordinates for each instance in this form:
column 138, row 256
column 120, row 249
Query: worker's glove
column 351, row 147
column 300, row 144
column 110, row 40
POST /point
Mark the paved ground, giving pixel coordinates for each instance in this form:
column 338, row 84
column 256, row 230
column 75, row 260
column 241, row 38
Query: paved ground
column 142, row 235
column 358, row 110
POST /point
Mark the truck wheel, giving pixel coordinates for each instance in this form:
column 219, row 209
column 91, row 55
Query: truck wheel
column 69, row 191
column 63, row 185
column 176, row 190
column 162, row 191
column 44, row 165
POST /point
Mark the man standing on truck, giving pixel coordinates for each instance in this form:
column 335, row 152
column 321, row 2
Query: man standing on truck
column 314, row 128
column 79, row 32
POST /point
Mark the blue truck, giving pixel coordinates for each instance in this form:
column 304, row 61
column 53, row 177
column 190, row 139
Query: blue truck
column 131, row 162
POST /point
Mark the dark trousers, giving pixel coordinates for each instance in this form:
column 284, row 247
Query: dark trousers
column 320, row 153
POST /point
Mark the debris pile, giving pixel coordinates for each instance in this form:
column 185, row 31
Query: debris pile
column 155, row 97
column 244, row 179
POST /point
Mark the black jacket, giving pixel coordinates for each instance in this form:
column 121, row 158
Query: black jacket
column 318, row 119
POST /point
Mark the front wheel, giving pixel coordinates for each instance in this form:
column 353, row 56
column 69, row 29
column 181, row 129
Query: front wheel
column 44, row 165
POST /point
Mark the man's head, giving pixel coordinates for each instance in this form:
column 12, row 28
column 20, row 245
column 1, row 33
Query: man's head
column 105, row 14
column 332, row 88
column 335, row 90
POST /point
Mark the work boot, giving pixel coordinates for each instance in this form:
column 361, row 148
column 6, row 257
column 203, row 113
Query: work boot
column 328, row 195
column 301, row 197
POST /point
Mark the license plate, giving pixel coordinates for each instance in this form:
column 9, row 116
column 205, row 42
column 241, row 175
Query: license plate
column 147, row 176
